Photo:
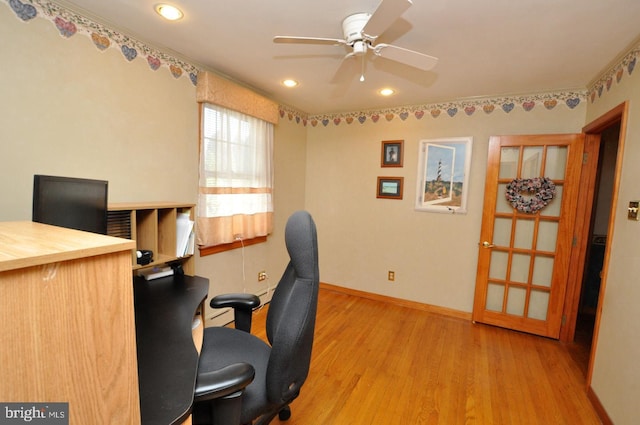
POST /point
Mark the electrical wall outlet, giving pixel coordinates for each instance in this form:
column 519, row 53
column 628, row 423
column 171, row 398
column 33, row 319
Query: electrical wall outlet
column 262, row 276
column 391, row 275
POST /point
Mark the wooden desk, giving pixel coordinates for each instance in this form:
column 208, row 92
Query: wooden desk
column 68, row 328
column 167, row 356
column 67, row 322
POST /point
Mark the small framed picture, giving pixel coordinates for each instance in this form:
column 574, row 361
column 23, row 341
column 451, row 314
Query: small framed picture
column 390, row 187
column 392, row 153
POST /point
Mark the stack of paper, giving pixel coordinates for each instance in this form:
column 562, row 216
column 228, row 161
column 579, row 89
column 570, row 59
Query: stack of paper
column 185, row 238
column 155, row 272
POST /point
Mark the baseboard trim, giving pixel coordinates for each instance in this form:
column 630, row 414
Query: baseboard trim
column 398, row 301
column 597, row 405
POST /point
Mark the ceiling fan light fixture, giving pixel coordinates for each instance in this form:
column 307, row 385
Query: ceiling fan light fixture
column 386, row 91
column 168, row 12
column 359, row 48
column 289, row 83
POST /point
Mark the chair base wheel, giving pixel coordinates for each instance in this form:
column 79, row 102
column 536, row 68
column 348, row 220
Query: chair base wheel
column 285, row 413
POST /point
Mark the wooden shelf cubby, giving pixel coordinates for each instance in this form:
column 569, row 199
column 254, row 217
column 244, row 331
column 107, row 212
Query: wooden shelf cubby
column 154, row 227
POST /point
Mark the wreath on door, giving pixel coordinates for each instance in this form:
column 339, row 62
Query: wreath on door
column 541, row 190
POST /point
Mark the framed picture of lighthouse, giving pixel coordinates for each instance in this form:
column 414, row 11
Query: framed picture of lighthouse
column 392, row 153
column 443, row 175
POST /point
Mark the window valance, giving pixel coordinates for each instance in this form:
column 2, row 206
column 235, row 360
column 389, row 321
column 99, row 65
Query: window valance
column 219, row 91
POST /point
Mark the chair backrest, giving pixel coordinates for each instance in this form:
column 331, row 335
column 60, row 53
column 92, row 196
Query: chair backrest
column 292, row 312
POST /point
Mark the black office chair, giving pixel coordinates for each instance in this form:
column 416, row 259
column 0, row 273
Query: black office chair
column 281, row 367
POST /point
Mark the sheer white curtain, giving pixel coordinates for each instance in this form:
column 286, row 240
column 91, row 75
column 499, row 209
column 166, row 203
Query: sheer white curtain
column 236, row 177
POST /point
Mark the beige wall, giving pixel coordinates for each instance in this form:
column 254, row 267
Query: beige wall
column 69, row 109
column 361, row 237
column 616, row 372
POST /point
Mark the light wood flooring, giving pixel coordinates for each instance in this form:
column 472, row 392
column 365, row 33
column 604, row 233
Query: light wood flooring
column 378, row 363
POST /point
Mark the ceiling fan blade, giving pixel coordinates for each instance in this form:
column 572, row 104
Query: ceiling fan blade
column 387, row 13
column 405, row 56
column 308, row 40
column 345, row 73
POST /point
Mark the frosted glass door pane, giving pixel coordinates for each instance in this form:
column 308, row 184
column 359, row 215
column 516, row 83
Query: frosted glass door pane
column 502, row 232
column 502, row 205
column 509, row 163
column 542, row 271
column 520, row 268
column 516, row 300
column 556, row 162
column 553, row 209
column 495, row 294
column 538, row 305
column 547, row 236
column 532, row 162
column 498, row 267
column 524, row 234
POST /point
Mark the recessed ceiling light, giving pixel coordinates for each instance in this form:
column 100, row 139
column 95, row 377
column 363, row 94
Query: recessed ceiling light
column 168, row 12
column 290, row 83
column 386, row 92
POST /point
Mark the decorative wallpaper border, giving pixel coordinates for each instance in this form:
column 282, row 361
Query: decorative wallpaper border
column 617, row 73
column 549, row 101
column 69, row 24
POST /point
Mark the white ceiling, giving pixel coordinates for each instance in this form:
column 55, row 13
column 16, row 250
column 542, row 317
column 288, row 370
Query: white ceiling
column 485, row 47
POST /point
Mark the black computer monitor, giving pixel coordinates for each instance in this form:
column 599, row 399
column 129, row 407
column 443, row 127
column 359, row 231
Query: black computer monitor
column 70, row 202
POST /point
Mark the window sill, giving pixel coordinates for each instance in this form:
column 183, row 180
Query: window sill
column 210, row 250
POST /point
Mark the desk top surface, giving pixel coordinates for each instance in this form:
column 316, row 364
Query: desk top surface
column 25, row 244
column 167, row 357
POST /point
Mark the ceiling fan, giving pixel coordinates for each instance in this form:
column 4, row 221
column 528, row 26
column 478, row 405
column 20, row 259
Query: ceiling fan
column 361, row 31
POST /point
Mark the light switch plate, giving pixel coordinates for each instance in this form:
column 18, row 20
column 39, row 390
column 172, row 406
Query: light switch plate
column 633, row 210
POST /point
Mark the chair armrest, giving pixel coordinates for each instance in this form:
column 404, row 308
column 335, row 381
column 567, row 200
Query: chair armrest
column 223, row 382
column 242, row 301
column 242, row 304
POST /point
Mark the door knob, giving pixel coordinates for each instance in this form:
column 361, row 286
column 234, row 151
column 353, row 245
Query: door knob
column 486, row 244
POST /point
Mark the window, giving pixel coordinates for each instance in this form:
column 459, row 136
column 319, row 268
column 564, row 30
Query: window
column 236, row 177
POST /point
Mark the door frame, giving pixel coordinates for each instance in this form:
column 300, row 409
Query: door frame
column 592, row 131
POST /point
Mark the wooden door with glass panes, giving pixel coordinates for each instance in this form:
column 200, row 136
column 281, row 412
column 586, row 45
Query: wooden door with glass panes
column 527, row 231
